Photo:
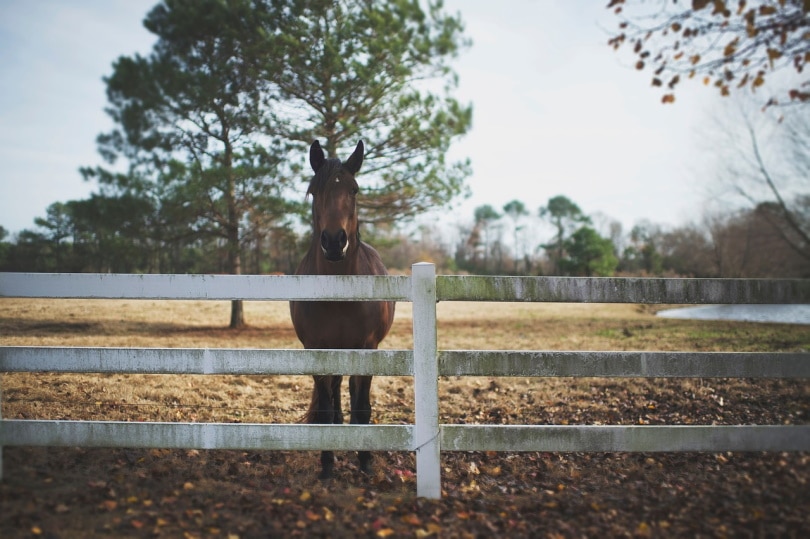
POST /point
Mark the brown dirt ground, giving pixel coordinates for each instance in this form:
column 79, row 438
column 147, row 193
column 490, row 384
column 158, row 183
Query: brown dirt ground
column 74, row 492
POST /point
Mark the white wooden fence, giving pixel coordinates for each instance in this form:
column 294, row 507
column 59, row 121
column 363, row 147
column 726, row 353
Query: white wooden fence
column 427, row 437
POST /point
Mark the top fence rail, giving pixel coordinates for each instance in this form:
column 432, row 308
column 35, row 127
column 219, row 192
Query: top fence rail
column 204, row 287
column 622, row 290
column 399, row 288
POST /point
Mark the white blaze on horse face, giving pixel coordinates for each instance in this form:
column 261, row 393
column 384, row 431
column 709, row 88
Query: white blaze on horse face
column 335, row 217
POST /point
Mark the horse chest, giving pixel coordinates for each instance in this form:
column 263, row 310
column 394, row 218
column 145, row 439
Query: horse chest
column 341, row 324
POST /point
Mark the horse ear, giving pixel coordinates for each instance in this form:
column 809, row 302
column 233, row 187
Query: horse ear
column 316, row 156
column 355, row 161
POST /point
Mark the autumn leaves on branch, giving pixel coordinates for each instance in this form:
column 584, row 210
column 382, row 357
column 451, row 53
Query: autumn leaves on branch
column 733, row 45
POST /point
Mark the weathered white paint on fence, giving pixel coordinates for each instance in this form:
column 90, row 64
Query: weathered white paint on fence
column 427, row 437
column 398, row 288
column 621, row 290
column 547, row 438
column 517, row 363
column 624, row 364
column 206, row 435
column 206, row 361
column 601, row 438
column 207, row 287
column 426, row 382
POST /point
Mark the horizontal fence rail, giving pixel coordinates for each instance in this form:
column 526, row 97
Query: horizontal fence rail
column 600, row 438
column 398, row 288
column 206, row 435
column 507, row 363
column 206, row 361
column 546, row 438
column 426, row 437
column 622, row 290
column 206, row 287
column 624, row 364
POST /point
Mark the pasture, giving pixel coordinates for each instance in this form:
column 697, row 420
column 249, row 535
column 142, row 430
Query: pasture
column 73, row 492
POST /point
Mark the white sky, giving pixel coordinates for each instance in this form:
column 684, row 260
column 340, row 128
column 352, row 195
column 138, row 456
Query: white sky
column 555, row 110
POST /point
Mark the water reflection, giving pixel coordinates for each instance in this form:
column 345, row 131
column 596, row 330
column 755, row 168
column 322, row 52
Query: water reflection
column 783, row 314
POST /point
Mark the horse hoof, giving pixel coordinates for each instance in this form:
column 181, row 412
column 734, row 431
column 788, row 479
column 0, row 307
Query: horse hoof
column 364, row 460
column 326, row 473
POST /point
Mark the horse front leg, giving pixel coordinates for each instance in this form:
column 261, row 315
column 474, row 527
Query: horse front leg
column 326, row 410
column 337, row 417
column 359, row 392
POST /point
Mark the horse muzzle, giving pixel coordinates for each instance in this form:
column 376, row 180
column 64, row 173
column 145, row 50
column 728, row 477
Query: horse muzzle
column 334, row 246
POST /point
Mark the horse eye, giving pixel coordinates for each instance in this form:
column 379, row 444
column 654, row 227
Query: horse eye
column 355, row 190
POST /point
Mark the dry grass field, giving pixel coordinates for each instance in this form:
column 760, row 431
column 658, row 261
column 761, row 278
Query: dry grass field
column 73, row 492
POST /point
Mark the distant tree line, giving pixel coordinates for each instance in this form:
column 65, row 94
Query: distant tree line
column 124, row 235
column 103, row 234
column 744, row 243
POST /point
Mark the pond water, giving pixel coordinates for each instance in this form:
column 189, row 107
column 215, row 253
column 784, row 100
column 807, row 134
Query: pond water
column 782, row 314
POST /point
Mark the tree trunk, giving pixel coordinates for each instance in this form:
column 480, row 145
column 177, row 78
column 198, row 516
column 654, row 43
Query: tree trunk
column 237, row 314
column 234, row 258
column 235, row 263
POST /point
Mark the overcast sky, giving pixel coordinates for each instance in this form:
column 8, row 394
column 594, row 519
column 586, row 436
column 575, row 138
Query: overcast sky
column 555, row 110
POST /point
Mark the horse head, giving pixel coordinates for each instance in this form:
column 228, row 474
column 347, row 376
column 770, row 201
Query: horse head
column 334, row 201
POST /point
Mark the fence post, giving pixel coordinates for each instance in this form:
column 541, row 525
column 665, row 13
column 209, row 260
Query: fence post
column 426, row 382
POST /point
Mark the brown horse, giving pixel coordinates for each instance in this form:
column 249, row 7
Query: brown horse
column 336, row 249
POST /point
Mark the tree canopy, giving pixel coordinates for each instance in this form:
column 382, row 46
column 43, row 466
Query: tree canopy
column 729, row 45
column 589, row 254
column 378, row 71
column 516, row 209
column 564, row 215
